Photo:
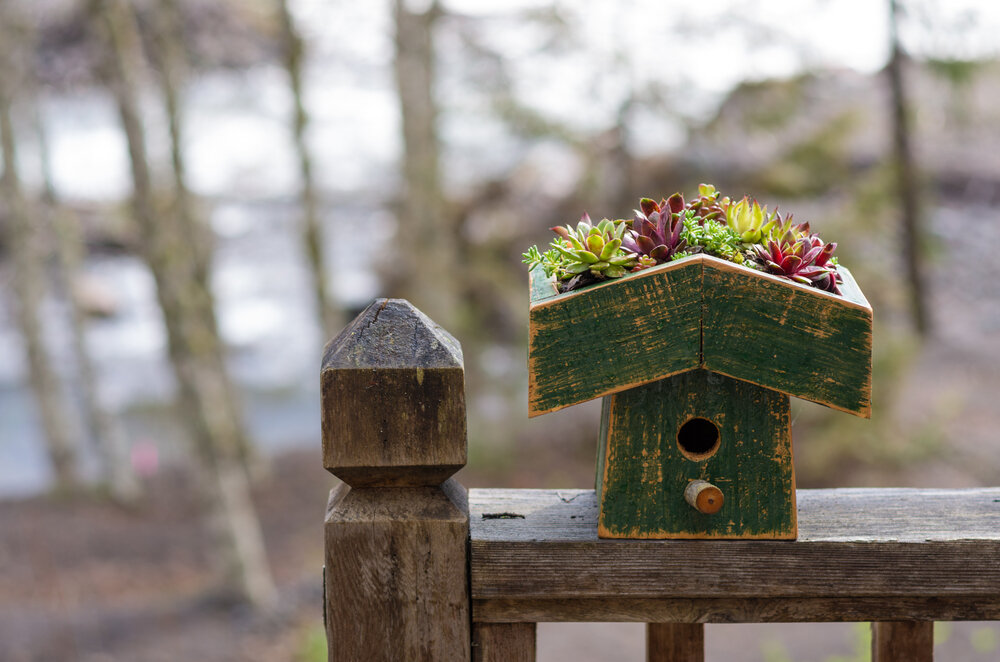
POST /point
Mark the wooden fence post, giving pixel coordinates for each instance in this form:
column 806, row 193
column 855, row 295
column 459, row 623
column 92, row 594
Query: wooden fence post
column 393, row 407
column 903, row 641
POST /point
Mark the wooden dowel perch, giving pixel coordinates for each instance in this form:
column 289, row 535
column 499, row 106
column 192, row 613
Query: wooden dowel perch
column 704, row 497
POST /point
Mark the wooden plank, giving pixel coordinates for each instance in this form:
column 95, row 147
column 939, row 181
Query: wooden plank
column 614, row 336
column 780, row 609
column 503, row 642
column 903, row 641
column 789, row 337
column 396, row 582
column 860, row 515
column 646, row 470
column 393, row 399
column 675, row 642
column 852, row 544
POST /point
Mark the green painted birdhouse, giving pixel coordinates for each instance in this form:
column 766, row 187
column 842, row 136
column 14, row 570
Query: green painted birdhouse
column 695, row 361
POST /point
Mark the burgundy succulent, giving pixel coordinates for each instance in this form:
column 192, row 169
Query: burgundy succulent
column 709, row 205
column 804, row 260
column 656, row 230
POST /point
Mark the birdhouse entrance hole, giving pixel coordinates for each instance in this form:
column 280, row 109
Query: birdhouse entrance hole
column 698, row 438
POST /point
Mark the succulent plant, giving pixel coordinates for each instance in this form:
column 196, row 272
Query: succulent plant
column 585, row 254
column 594, row 248
column 748, row 219
column 777, row 228
column 805, row 260
column 709, row 205
column 712, row 237
column 744, row 232
column 656, row 230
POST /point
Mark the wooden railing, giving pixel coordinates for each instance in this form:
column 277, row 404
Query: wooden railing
column 418, row 569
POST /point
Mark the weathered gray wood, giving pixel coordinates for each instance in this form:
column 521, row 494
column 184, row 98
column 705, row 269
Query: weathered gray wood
column 737, row 610
column 393, row 390
column 855, row 544
column 503, row 642
column 903, row 641
column 862, row 515
column 396, row 581
column 397, row 531
column 675, row 642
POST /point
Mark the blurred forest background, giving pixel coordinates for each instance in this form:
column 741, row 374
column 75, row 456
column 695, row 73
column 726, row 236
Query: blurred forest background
column 197, row 194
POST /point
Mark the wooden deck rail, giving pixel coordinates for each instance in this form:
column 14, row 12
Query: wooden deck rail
column 418, row 570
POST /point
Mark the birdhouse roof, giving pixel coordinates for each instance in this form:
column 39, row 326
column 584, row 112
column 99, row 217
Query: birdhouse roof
column 699, row 312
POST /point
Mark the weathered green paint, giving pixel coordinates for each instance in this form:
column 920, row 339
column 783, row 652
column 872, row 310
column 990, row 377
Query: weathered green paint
column 542, row 287
column 644, row 473
column 613, row 336
column 699, row 312
column 790, row 338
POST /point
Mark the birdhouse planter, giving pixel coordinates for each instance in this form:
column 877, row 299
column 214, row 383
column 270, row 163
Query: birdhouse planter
column 695, row 360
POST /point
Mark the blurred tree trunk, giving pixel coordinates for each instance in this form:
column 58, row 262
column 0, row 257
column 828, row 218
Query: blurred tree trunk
column 104, row 428
column 29, row 273
column 169, row 60
column 191, row 337
column 424, row 262
column 906, row 178
column 168, row 54
column 330, row 315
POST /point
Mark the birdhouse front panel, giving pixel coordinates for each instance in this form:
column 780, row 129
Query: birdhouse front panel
column 697, row 455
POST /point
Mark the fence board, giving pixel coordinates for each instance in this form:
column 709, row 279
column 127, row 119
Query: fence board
column 503, row 642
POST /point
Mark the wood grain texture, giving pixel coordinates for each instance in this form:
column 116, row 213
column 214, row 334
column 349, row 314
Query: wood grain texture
column 503, row 642
column 736, row 610
column 855, row 544
column 396, row 573
column 675, row 642
column 903, row 641
column 613, row 336
column 393, row 399
column 788, row 337
column 645, row 471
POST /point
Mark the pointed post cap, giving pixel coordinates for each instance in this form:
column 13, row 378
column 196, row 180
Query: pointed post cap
column 393, row 399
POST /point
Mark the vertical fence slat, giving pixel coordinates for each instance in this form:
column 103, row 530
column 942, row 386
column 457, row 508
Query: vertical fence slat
column 393, row 405
column 675, row 642
column 503, row 642
column 903, row 641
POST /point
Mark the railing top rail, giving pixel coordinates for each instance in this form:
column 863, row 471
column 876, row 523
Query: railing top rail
column 862, row 554
column 875, row 515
